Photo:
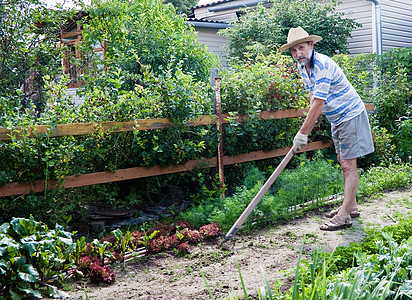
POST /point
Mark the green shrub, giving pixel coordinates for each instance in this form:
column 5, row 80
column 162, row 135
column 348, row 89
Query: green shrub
column 138, row 34
column 403, row 137
column 395, row 58
column 379, row 179
column 265, row 83
column 30, row 32
column 265, row 30
column 269, row 82
column 391, row 99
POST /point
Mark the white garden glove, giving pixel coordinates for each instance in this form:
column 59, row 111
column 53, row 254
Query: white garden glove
column 300, row 140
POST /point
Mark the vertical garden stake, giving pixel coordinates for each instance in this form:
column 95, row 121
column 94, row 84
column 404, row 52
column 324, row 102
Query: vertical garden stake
column 259, row 196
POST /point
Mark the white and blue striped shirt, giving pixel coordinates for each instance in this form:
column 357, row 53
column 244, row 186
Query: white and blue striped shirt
column 328, row 82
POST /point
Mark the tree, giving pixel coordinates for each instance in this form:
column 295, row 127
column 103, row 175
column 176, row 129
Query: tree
column 29, row 49
column 264, row 30
column 144, row 34
column 183, row 6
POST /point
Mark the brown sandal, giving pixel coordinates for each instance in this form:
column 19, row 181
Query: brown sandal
column 353, row 214
column 336, row 223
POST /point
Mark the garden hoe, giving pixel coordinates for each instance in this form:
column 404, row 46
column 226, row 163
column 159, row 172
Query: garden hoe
column 258, row 196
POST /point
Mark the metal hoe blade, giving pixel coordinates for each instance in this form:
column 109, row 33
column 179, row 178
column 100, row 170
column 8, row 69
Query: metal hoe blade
column 258, row 196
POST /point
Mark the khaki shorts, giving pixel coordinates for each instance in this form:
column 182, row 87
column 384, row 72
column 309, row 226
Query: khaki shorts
column 353, row 138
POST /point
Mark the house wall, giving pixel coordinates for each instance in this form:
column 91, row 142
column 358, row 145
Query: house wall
column 396, row 24
column 361, row 11
column 72, row 94
column 215, row 43
column 225, row 11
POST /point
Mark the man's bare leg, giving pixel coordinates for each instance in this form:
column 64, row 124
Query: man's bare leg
column 351, row 183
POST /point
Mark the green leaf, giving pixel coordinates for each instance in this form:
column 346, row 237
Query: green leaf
column 15, row 295
column 57, row 294
column 4, row 266
column 30, row 291
column 4, row 227
column 28, row 273
column 66, row 241
column 30, row 245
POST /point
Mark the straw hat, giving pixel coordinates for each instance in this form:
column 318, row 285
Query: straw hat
column 297, row 36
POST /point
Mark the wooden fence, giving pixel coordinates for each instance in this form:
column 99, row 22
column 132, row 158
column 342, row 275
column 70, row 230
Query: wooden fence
column 18, row 188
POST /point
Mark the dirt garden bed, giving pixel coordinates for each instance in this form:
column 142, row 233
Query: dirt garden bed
column 274, row 249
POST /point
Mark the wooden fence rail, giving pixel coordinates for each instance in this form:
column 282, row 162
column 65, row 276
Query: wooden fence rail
column 149, row 124
column 18, row 188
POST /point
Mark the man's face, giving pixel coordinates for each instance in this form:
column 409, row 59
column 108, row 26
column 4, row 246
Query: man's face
column 302, row 53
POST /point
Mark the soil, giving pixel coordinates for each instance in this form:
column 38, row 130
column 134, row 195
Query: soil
column 274, row 250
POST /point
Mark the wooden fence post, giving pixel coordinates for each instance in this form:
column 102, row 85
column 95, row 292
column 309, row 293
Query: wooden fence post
column 220, row 145
column 217, row 105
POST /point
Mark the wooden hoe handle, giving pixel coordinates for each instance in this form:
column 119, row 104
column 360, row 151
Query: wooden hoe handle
column 259, row 196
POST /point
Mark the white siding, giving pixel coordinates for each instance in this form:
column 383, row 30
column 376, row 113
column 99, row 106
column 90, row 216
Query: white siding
column 215, row 43
column 72, row 94
column 203, row 13
column 396, row 24
column 228, row 14
column 361, row 12
column 226, row 11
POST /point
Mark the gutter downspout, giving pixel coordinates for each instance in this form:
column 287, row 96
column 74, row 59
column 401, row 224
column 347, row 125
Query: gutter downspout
column 377, row 26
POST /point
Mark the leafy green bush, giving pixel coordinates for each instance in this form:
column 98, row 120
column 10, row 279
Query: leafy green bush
column 30, row 255
column 391, row 99
column 138, row 34
column 403, row 137
column 265, row 83
column 379, row 179
column 265, row 30
column 397, row 58
column 30, row 51
column 269, row 82
column 385, row 81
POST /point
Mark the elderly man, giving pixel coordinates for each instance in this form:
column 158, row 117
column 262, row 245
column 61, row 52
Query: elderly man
column 332, row 94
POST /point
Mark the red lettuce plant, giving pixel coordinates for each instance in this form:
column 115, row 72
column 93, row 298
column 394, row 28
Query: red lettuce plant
column 100, row 273
column 210, row 230
column 183, row 248
column 95, row 269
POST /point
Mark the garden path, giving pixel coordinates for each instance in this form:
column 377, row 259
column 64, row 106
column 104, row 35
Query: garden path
column 273, row 249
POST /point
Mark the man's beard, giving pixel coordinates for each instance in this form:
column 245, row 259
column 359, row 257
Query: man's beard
column 303, row 63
